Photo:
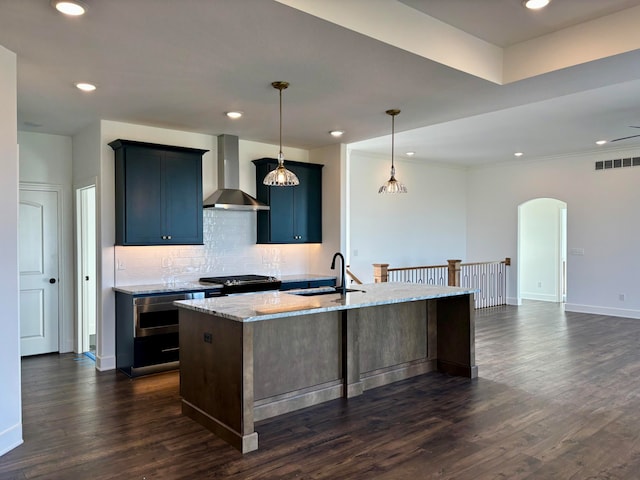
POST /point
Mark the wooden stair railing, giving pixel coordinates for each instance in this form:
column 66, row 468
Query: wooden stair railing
column 488, row 277
column 353, row 278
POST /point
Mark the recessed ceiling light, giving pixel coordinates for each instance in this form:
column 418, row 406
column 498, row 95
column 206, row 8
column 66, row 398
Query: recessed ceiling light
column 535, row 4
column 336, row 133
column 69, row 7
column 233, row 114
column 518, row 154
column 410, row 154
column 601, row 142
column 85, row 87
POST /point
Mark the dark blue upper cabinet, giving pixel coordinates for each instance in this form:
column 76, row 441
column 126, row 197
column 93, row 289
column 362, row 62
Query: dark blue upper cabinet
column 295, row 214
column 158, row 194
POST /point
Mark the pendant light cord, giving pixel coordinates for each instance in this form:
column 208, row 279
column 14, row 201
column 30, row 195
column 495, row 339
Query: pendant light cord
column 393, row 129
column 281, row 154
column 393, row 112
column 280, row 86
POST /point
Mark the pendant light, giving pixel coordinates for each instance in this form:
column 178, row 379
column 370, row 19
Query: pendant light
column 281, row 177
column 392, row 185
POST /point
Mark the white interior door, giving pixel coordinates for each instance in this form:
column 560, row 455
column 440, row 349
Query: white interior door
column 86, row 229
column 38, row 260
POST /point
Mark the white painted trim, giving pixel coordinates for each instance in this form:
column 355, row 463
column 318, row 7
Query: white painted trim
column 542, row 297
column 105, row 363
column 514, row 301
column 612, row 312
column 11, row 438
column 77, row 187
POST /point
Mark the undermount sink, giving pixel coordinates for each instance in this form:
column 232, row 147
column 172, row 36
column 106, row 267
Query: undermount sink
column 328, row 291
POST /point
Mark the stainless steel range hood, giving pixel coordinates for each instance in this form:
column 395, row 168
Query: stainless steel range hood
column 229, row 196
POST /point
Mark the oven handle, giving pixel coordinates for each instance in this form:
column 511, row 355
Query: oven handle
column 167, row 350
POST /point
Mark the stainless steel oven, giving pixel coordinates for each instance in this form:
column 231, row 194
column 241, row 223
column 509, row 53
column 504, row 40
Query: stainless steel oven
column 157, row 315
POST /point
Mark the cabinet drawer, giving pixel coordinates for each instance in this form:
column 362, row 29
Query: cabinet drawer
column 328, row 282
column 293, row 285
column 156, row 349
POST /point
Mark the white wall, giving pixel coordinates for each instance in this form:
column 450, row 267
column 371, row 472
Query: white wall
column 334, row 211
column 86, row 155
column 10, row 400
column 540, row 249
column 47, row 159
column 426, row 226
column 602, row 221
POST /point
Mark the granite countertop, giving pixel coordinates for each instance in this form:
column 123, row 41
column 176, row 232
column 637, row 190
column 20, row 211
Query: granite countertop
column 166, row 288
column 195, row 285
column 265, row 306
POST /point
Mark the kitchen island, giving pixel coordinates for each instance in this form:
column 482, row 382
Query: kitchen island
column 246, row 358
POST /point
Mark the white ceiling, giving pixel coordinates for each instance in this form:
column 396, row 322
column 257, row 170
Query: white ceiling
column 182, row 63
column 505, row 22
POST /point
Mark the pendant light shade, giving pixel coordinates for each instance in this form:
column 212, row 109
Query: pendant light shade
column 392, row 185
column 281, row 177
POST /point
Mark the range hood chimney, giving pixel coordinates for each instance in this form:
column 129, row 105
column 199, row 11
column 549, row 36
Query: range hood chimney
column 229, row 196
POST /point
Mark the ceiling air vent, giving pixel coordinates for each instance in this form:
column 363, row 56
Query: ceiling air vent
column 618, row 163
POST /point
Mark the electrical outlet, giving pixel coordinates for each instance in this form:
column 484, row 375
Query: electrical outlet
column 539, row 284
column 621, row 297
column 208, row 338
column 121, row 265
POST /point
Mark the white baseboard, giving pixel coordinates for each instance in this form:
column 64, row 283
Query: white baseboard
column 10, row 438
column 106, row 363
column 541, row 297
column 613, row 312
column 514, row 301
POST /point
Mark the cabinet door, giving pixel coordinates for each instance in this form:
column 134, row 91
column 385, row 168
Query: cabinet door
column 142, row 197
column 307, row 205
column 282, row 214
column 182, row 198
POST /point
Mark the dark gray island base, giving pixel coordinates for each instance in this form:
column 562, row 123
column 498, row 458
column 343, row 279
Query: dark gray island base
column 248, row 358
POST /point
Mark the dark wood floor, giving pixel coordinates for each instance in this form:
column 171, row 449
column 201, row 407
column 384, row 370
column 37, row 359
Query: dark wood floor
column 558, row 398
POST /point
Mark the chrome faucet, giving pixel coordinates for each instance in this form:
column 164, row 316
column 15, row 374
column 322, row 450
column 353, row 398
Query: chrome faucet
column 343, row 285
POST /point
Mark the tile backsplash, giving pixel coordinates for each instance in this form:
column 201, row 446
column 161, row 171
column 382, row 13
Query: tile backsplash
column 229, row 249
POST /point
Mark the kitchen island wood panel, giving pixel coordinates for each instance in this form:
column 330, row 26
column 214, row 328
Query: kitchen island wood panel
column 294, row 353
column 216, row 376
column 239, row 368
column 391, row 334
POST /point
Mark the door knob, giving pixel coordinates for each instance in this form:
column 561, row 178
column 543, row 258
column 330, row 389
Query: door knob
column 52, row 280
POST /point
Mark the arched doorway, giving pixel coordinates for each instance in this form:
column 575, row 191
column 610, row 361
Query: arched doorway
column 542, row 250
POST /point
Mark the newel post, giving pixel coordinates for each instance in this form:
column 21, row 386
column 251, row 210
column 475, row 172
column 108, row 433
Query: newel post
column 454, row 273
column 380, row 272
